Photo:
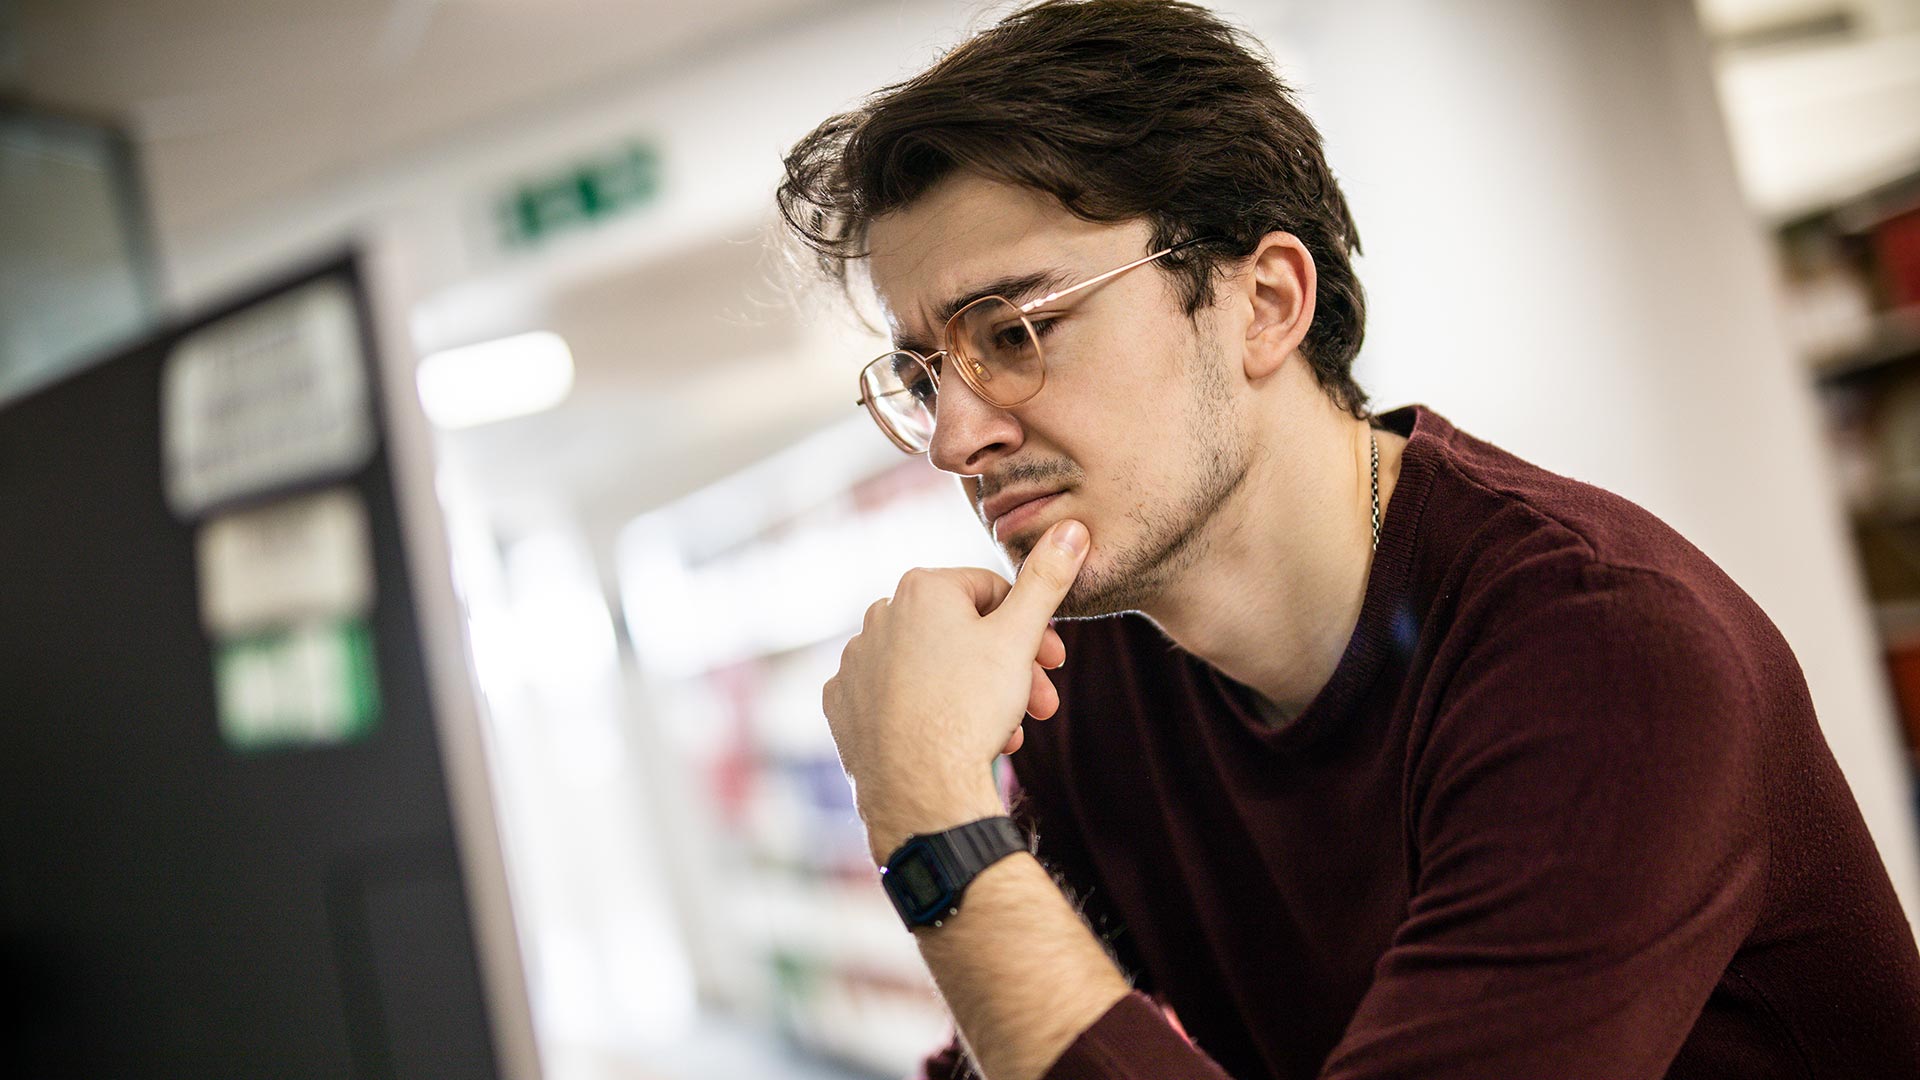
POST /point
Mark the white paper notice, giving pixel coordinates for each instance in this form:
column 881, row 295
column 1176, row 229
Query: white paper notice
column 273, row 395
column 292, row 561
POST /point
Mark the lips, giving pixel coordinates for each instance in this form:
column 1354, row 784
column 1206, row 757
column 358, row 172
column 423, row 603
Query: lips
column 1007, row 512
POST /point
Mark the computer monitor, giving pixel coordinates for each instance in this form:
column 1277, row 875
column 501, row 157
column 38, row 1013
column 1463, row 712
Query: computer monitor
column 245, row 828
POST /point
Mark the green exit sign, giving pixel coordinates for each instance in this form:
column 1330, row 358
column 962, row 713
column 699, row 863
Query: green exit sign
column 582, row 195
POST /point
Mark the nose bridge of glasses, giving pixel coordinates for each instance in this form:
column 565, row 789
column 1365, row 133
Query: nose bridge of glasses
column 894, row 408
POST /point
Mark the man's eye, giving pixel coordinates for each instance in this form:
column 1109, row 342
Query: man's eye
column 921, row 387
column 1014, row 337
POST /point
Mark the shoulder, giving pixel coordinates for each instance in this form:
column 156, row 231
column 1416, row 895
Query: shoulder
column 1569, row 600
column 1558, row 620
column 1574, row 629
column 1590, row 691
column 1513, row 549
column 1605, row 719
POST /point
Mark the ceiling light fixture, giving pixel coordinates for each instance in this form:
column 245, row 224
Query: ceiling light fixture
column 495, row 380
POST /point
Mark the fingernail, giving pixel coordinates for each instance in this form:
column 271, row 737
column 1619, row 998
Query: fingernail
column 1070, row 537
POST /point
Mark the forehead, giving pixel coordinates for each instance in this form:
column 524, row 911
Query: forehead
column 968, row 230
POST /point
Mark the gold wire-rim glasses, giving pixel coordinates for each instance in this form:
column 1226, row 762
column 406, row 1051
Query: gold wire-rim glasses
column 966, row 363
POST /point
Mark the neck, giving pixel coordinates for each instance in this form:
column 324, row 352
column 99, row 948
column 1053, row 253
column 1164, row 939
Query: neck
column 1276, row 592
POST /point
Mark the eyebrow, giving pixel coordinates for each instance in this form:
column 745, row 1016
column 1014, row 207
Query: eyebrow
column 1014, row 287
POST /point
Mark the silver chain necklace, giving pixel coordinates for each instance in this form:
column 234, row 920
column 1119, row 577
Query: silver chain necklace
column 1374, row 444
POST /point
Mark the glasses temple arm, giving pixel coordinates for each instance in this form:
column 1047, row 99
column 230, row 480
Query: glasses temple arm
column 1116, row 272
column 881, row 394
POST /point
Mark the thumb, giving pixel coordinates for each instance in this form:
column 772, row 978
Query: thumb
column 1045, row 576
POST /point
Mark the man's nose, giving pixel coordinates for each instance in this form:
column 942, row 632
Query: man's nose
column 969, row 432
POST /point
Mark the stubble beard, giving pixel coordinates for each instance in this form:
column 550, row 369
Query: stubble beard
column 1171, row 536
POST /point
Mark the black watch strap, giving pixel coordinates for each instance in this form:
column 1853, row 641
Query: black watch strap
column 979, row 844
column 926, row 875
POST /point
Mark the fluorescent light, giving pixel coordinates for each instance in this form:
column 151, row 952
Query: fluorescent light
column 494, row 380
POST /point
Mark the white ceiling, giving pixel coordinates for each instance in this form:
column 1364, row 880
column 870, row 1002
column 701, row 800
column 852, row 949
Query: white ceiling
column 235, row 101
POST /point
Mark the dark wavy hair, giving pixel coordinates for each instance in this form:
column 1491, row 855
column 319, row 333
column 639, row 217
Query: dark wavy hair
column 1121, row 110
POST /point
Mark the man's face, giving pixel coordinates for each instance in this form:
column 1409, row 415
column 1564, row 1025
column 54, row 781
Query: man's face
column 1138, row 432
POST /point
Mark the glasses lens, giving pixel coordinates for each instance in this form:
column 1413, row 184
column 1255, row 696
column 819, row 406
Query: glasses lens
column 1000, row 351
column 901, row 391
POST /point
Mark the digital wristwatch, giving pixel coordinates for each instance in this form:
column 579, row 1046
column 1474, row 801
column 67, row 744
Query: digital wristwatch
column 926, row 874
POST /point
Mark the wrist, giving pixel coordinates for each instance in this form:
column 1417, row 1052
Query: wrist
column 890, row 822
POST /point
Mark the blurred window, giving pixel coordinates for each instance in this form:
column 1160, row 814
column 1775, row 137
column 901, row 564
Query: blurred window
column 75, row 276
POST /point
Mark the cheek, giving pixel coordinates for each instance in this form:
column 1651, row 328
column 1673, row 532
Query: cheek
column 1128, row 402
column 1119, row 503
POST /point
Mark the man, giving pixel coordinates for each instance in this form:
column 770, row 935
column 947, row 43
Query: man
column 1414, row 759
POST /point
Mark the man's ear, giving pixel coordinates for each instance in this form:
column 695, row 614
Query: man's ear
column 1280, row 284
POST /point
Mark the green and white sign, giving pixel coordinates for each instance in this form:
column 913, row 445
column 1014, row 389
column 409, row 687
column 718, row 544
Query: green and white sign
column 312, row 684
column 286, row 591
column 579, row 195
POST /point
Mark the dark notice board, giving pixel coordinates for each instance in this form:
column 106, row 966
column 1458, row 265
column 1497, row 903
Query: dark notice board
column 171, row 906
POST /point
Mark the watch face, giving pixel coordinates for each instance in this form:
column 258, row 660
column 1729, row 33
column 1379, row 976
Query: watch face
column 916, row 880
column 917, row 883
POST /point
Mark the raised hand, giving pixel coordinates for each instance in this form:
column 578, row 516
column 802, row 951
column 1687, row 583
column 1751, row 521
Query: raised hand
column 937, row 682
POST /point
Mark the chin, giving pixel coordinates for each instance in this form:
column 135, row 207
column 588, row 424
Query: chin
column 1097, row 591
column 1018, row 548
column 1087, row 604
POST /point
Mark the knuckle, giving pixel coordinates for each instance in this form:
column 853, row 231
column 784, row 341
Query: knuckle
column 920, row 577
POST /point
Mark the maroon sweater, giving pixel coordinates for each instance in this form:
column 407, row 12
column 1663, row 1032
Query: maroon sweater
column 1562, row 811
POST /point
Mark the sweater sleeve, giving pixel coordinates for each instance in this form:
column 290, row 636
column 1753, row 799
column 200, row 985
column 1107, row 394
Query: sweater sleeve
column 1133, row 1040
column 950, row 1062
column 1590, row 849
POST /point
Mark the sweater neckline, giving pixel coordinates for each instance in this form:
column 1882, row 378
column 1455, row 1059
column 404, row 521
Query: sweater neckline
column 1384, row 620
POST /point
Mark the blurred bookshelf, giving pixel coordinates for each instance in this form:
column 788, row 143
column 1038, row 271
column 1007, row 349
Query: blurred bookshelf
column 1853, row 298
column 738, row 601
